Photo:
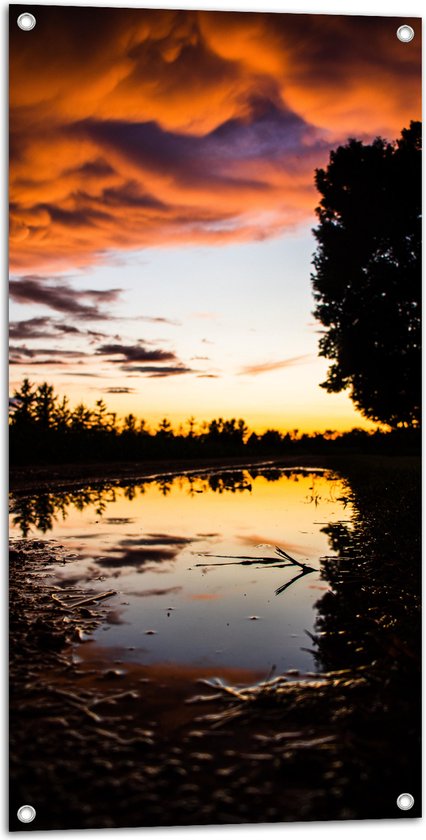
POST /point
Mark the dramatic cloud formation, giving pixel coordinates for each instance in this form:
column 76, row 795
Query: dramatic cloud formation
column 158, row 372
column 47, row 327
column 180, row 132
column 73, row 373
column 157, row 320
column 162, row 127
column 266, row 367
column 35, row 356
column 35, row 362
column 119, row 390
column 43, row 327
column 32, row 352
column 128, row 354
column 59, row 295
column 135, row 353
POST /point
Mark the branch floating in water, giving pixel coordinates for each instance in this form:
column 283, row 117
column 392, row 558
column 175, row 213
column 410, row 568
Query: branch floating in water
column 84, row 601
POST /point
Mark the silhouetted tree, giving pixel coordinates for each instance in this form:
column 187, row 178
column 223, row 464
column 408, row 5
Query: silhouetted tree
column 45, row 405
column 62, row 415
column 23, row 404
column 191, row 425
column 165, row 429
column 81, row 418
column 271, row 439
column 103, row 420
column 367, row 276
column 129, row 424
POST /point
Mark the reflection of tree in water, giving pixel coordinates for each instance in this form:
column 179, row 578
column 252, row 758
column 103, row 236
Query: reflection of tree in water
column 369, row 622
column 294, row 474
column 42, row 511
column 131, row 491
column 164, row 485
column 270, row 474
column 371, row 612
column 236, row 482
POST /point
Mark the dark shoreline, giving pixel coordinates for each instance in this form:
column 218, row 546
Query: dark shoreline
column 41, row 477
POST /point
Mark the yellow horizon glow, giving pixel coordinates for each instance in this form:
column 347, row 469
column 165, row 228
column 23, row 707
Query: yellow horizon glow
column 336, row 412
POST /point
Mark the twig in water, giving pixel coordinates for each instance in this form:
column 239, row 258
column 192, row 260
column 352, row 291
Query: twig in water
column 292, row 560
column 306, row 570
column 84, row 601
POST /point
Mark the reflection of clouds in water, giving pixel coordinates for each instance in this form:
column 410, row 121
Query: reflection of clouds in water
column 204, row 596
column 157, row 539
column 147, row 593
column 158, row 570
column 114, row 617
column 140, row 552
column 137, row 557
column 321, row 588
column 258, row 541
column 208, row 536
column 85, row 575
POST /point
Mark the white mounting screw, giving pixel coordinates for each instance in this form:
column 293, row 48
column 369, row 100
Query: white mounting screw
column 405, row 801
column 26, row 21
column 405, row 33
column 26, row 813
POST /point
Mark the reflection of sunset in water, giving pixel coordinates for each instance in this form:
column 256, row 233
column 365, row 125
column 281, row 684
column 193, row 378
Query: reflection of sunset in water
column 194, row 562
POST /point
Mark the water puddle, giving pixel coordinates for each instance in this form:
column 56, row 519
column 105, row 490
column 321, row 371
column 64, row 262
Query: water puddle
column 212, row 572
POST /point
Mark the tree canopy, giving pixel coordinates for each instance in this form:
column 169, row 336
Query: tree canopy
column 367, row 278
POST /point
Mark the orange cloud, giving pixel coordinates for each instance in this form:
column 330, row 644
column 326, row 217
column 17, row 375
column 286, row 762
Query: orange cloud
column 266, row 367
column 171, row 127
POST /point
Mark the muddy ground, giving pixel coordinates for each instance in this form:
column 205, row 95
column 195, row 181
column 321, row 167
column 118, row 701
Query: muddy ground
column 100, row 744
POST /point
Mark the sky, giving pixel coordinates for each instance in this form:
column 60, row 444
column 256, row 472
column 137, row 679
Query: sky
column 163, row 199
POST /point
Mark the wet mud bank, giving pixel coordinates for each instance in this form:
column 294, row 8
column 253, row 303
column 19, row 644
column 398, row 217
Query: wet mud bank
column 43, row 477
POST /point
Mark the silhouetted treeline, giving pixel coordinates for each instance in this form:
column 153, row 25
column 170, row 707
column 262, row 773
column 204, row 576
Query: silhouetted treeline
column 44, row 429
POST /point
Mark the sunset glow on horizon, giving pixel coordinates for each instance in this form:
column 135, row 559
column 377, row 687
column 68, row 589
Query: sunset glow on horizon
column 163, row 199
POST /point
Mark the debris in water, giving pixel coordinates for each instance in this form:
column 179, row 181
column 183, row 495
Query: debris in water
column 112, row 674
